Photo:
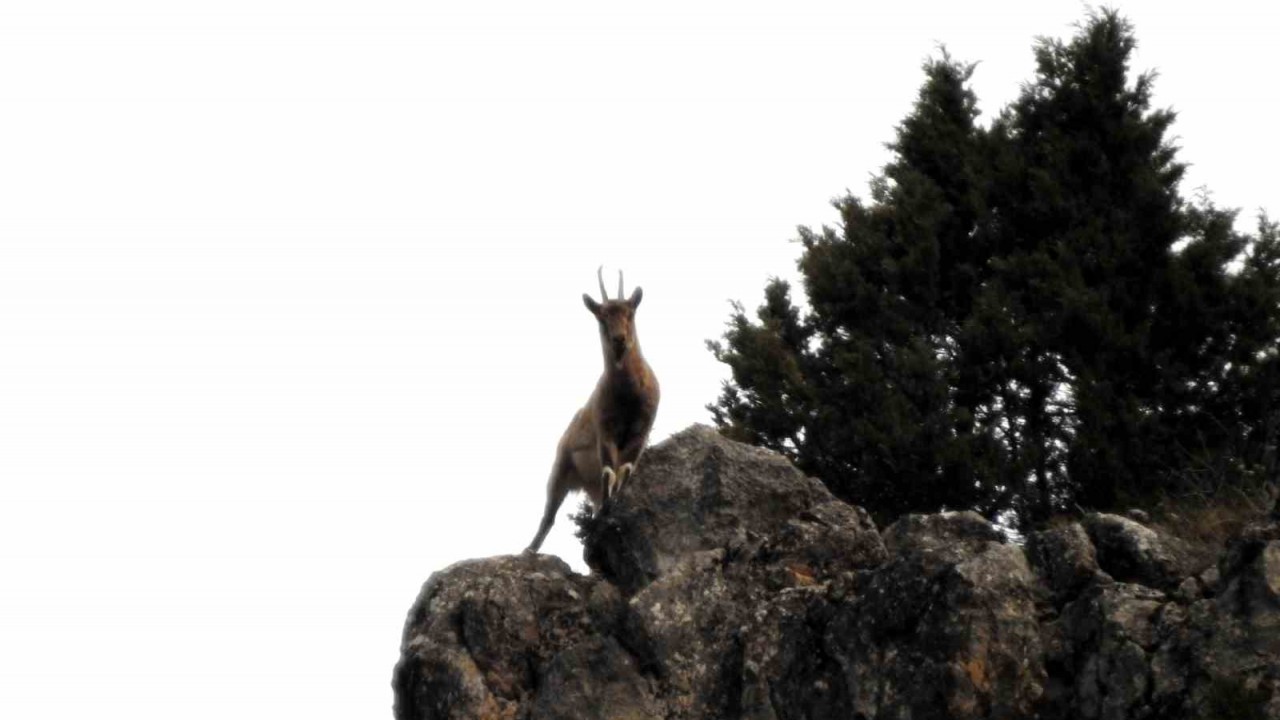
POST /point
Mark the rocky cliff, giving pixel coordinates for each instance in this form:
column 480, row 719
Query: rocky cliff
column 727, row 584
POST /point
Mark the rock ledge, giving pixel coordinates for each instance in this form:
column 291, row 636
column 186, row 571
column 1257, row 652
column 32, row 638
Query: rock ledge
column 727, row 584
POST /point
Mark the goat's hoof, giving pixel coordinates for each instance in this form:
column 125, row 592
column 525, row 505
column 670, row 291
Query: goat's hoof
column 609, row 479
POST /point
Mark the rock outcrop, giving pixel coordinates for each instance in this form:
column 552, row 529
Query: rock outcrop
column 727, row 584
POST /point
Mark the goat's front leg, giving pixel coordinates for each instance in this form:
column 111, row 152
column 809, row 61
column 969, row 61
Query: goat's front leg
column 608, row 469
column 629, row 455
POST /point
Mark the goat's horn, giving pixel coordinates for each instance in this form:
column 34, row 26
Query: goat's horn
column 600, row 277
column 619, row 284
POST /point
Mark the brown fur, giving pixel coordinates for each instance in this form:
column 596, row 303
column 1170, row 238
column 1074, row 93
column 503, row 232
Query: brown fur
column 600, row 448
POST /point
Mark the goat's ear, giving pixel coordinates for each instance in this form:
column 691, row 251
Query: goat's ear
column 592, row 305
column 635, row 298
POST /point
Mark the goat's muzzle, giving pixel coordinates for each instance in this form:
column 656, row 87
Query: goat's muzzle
column 620, row 346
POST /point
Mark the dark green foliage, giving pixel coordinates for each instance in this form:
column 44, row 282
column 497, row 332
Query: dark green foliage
column 1024, row 315
column 1093, row 213
column 1235, row 700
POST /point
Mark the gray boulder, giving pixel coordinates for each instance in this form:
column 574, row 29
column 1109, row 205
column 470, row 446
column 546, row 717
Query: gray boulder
column 1132, row 552
column 500, row 637
column 1110, row 633
column 726, row 584
column 699, row 491
column 946, row 629
column 1065, row 559
column 1220, row 656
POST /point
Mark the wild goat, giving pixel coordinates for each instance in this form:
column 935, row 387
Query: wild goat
column 600, row 449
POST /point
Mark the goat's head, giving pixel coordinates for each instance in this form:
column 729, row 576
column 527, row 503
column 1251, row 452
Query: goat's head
column 616, row 317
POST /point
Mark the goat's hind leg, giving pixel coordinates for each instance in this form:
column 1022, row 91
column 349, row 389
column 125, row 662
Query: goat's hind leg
column 557, row 489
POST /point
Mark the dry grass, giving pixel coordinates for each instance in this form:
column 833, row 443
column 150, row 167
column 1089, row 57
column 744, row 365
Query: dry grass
column 1207, row 522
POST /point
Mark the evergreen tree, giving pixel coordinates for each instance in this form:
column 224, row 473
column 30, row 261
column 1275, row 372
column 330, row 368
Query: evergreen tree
column 1091, row 214
column 1024, row 316
column 859, row 393
column 1220, row 402
column 1252, row 383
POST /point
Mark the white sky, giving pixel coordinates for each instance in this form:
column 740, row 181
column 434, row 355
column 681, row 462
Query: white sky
column 289, row 291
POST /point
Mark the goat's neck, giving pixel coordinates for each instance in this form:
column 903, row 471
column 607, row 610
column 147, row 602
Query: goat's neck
column 627, row 370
